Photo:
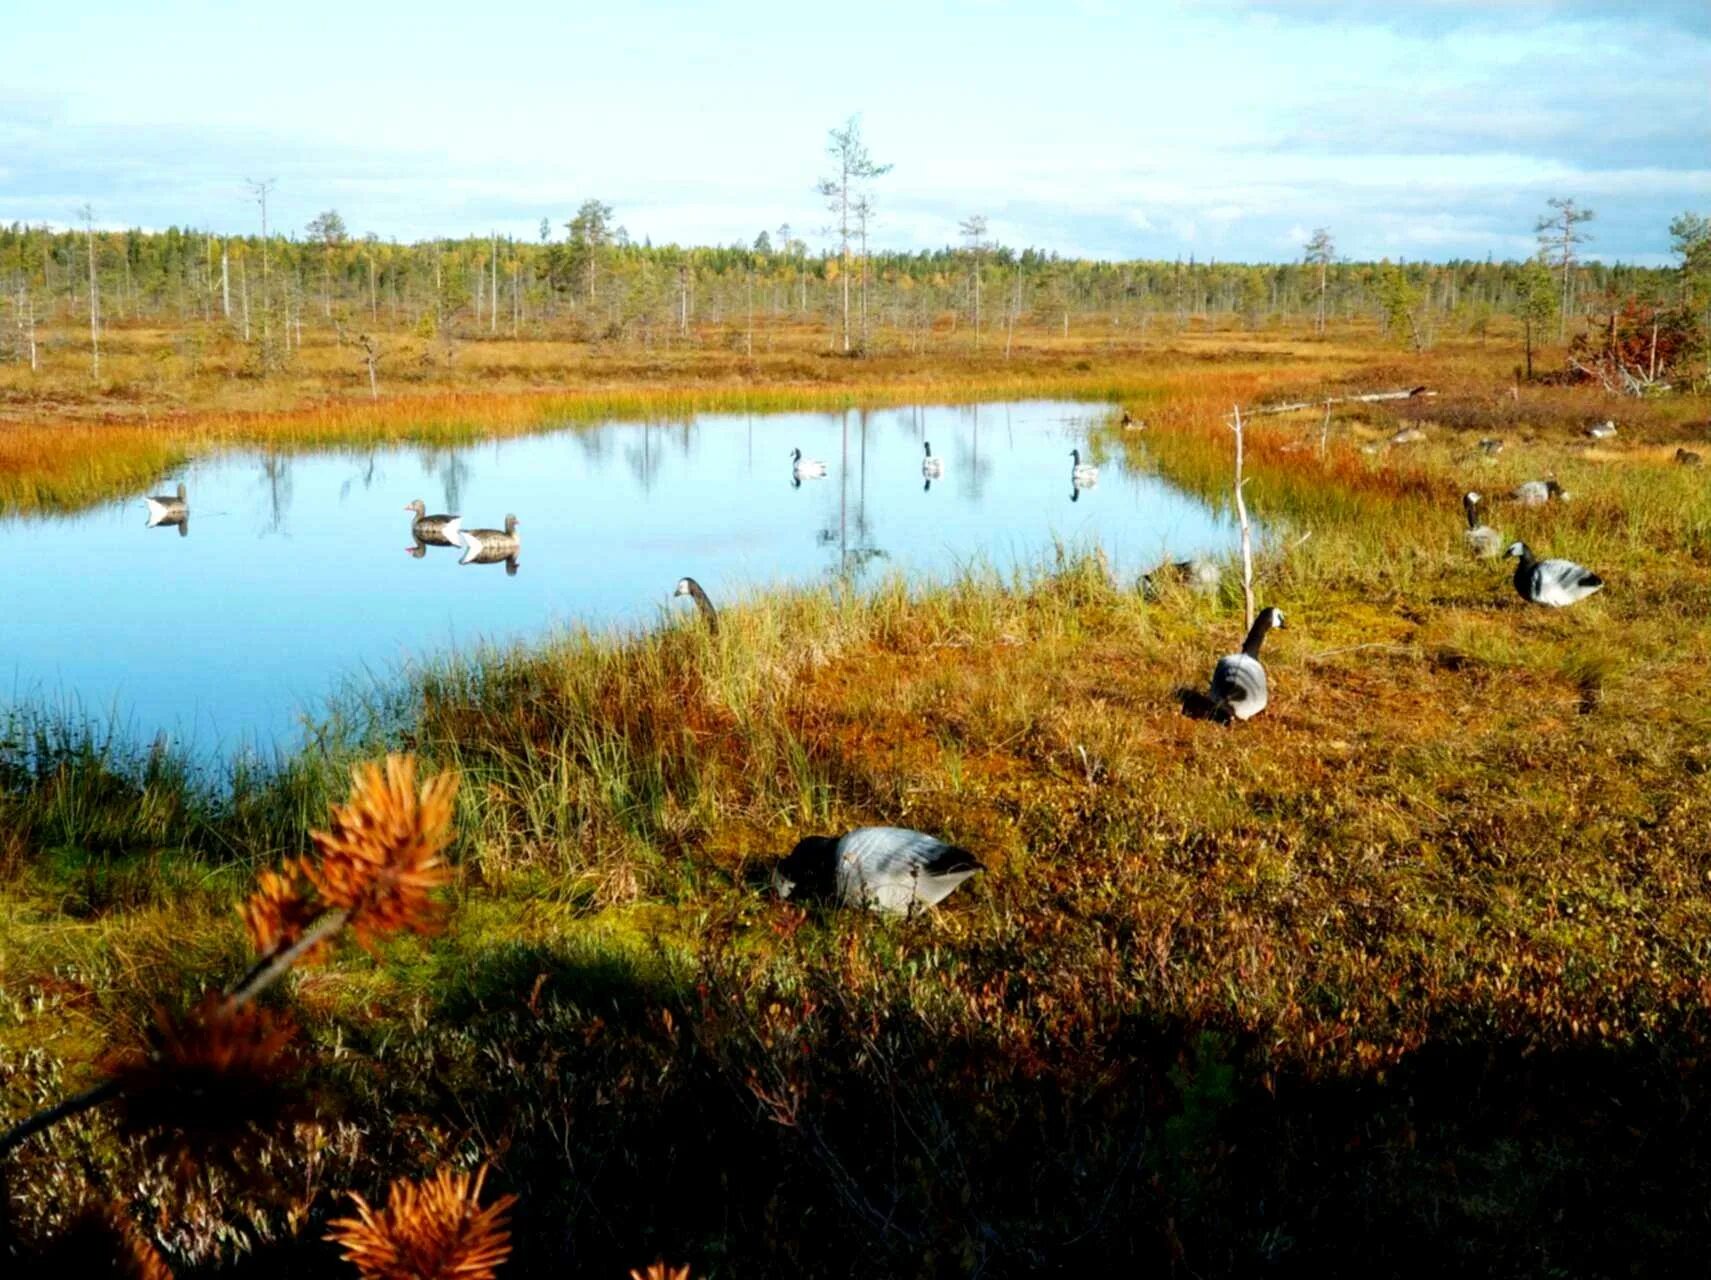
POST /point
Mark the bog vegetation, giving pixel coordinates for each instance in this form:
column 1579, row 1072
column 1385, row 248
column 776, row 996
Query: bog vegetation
column 1412, row 969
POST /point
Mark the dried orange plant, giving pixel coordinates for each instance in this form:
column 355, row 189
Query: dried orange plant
column 431, row 1230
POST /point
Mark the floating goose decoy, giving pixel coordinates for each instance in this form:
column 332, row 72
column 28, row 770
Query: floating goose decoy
column 932, row 468
column 1083, row 475
column 1536, row 493
column 1601, row 430
column 435, row 531
column 1481, row 539
column 1688, row 458
column 805, row 468
column 490, row 546
column 1199, row 575
column 1491, row 446
column 170, row 510
column 888, row 869
column 691, row 588
column 1238, row 681
column 1558, row 583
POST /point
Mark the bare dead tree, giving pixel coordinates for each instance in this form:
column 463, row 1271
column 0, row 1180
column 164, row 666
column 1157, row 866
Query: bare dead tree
column 87, row 214
column 1242, row 517
column 841, row 191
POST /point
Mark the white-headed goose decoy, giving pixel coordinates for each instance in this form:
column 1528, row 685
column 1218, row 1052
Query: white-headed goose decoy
column 1083, row 475
column 1558, row 583
column 1238, row 681
column 932, row 468
column 804, row 468
column 1481, row 539
column 887, row 869
column 169, row 510
column 691, row 588
column 490, row 546
column 1536, row 493
column 435, row 531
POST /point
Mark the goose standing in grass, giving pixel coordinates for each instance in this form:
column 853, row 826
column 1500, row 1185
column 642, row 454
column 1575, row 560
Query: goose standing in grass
column 804, row 468
column 1536, row 493
column 888, row 869
column 1238, row 688
column 1601, row 430
column 1083, row 475
column 1481, row 539
column 490, row 546
column 1558, row 583
column 435, row 531
column 932, row 468
column 170, row 509
column 691, row 588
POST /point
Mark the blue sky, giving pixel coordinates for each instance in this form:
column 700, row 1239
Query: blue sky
column 1225, row 129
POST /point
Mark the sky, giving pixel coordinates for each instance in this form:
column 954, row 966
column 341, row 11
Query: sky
column 1226, row 129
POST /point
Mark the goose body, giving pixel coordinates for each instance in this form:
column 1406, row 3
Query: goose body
column 1239, row 689
column 932, row 468
column 805, row 468
column 1536, row 493
column 1408, row 435
column 1602, row 430
column 1688, row 458
column 169, row 509
column 691, row 588
column 490, row 546
column 1083, row 475
column 1484, row 541
column 887, row 869
column 1558, row 583
column 1199, row 575
column 435, row 531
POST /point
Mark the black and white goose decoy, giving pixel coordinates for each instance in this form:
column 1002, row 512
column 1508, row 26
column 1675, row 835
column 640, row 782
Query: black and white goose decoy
column 1558, row 583
column 1481, row 539
column 169, row 511
column 691, row 588
column 804, row 468
column 932, row 468
column 1238, row 688
column 1198, row 575
column 1083, row 475
column 490, row 546
column 1536, row 493
column 435, row 531
column 887, row 869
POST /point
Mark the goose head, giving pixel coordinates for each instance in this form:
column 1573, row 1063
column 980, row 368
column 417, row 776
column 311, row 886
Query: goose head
column 1556, row 491
column 418, row 506
column 796, row 455
column 684, row 587
column 1516, row 551
column 1272, row 617
column 1470, row 503
column 181, row 491
column 928, row 446
column 511, row 523
column 1075, row 456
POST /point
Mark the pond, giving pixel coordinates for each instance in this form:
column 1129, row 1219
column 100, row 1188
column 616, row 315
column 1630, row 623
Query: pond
column 296, row 574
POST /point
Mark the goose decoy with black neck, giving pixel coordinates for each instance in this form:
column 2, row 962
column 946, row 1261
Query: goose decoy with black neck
column 886, row 869
column 1558, row 583
column 490, row 546
column 435, row 531
column 1536, row 493
column 170, row 510
column 1083, row 475
column 1481, row 539
column 1238, row 681
column 691, row 588
column 932, row 468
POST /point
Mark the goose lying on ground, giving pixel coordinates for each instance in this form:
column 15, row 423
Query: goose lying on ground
column 435, row 531
column 1601, row 430
column 1688, row 458
column 489, row 546
column 1482, row 539
column 1558, row 583
column 932, row 468
column 1238, row 681
column 1408, row 435
column 691, row 588
column 1199, row 575
column 888, row 869
column 169, row 509
column 1536, row 493
column 805, row 468
column 1082, row 474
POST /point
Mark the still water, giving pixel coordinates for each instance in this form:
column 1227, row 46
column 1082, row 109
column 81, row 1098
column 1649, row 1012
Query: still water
column 295, row 575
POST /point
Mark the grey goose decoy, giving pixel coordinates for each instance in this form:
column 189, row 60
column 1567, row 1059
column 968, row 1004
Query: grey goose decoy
column 1199, row 575
column 932, row 468
column 1558, row 583
column 1238, row 688
column 169, row 510
column 1481, row 539
column 490, row 546
column 1536, row 493
column 891, row 870
column 691, row 588
column 434, row 531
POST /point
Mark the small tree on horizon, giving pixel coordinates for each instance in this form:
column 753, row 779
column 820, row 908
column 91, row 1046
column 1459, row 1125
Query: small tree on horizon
column 843, row 194
column 1558, row 238
column 1320, row 251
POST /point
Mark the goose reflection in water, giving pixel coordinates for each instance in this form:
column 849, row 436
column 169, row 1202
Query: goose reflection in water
column 170, row 511
column 494, row 546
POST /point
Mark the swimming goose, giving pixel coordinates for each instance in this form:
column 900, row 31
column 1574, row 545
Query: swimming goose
column 691, row 588
column 932, row 468
column 490, row 546
column 169, row 510
column 1238, row 681
column 888, row 869
column 1199, row 575
column 1601, row 431
column 805, row 468
column 1688, row 458
column 1558, row 583
column 1481, row 539
column 1083, row 475
column 436, row 531
column 1536, row 493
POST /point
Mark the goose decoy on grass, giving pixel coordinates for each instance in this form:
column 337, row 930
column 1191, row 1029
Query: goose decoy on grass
column 1601, row 430
column 691, row 588
column 932, row 468
column 1558, row 583
column 804, row 468
column 1536, row 493
column 1491, row 446
column 1199, row 575
column 1238, row 688
column 169, row 510
column 886, row 869
column 1408, row 435
column 1481, row 539
column 435, row 531
column 1688, row 458
column 490, row 546
column 1083, row 475
column 1131, row 423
